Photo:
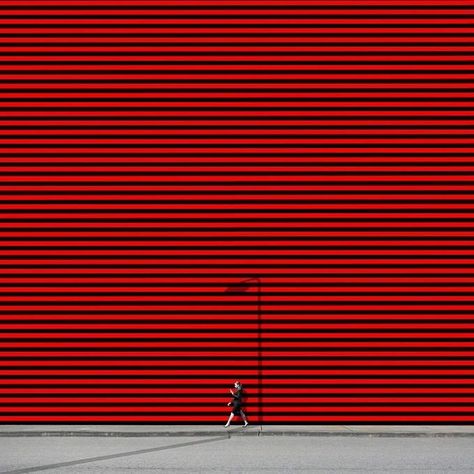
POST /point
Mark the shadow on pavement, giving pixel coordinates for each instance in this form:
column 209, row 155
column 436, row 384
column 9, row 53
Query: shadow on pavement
column 225, row 436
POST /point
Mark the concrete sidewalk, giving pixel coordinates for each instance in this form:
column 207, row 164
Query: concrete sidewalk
column 251, row 430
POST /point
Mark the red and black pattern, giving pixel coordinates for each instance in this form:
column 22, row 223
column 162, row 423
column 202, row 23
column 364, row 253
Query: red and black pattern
column 152, row 153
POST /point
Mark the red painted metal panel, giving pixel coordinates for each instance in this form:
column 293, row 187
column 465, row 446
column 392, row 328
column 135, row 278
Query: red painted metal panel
column 154, row 153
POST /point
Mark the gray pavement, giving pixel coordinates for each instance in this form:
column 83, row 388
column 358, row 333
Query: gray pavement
column 236, row 454
column 237, row 430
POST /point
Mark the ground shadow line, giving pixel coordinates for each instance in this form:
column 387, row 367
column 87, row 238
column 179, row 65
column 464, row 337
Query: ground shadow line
column 113, row 456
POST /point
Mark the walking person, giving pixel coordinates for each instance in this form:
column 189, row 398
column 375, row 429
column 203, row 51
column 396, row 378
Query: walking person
column 237, row 402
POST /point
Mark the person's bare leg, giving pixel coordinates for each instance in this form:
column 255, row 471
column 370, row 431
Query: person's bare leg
column 229, row 420
column 242, row 414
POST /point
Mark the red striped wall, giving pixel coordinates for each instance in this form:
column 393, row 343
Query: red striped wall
column 152, row 153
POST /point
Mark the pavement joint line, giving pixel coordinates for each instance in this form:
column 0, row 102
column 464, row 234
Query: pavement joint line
column 237, row 431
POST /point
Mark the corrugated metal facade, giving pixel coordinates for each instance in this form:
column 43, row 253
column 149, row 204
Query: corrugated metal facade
column 155, row 152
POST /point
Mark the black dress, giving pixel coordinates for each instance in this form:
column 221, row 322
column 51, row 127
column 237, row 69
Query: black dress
column 237, row 402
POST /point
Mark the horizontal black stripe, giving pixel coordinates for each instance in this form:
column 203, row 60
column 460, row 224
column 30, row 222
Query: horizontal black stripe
column 138, row 350
column 189, row 128
column 184, row 322
column 141, row 242
column 212, row 13
column 278, row 102
column 395, row 180
column 54, row 200
column 401, row 325
column 240, row 312
column 279, row 107
column 10, row 318
column 255, row 6
column 270, row 385
column 72, row 406
column 152, row 40
column 170, row 147
column 401, row 195
column 86, row 303
column 202, row 62
column 153, row 86
column 189, row 132
column 196, row 154
column 254, row 173
column 268, row 295
column 211, row 53
column 182, row 366
column 218, row 257
column 231, row 218
column 196, row 333
column 49, row 21
column 316, row 162
column 93, row 200
column 289, row 359
column 213, row 376
column 225, row 118
column 342, row 246
column 224, row 275
column 292, row 401
column 176, row 24
column 85, row 306
column 243, row 34
column 222, row 355
column 232, row 73
column 261, row 266
column 187, row 317
column 230, row 137
column 270, row 395
column 192, row 284
column 121, row 414
column 91, row 197
column 230, row 211
column 295, row 238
